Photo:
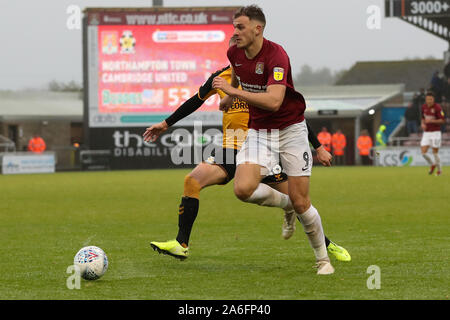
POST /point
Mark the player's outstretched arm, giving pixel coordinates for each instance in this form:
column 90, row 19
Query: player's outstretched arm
column 192, row 104
column 153, row 132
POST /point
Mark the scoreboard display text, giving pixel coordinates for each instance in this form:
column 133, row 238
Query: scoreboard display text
column 426, row 8
column 142, row 66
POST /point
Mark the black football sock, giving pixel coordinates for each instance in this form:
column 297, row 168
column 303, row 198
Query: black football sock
column 186, row 216
column 327, row 241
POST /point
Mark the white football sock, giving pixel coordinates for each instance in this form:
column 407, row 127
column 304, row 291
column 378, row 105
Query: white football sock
column 427, row 157
column 269, row 197
column 312, row 225
column 437, row 161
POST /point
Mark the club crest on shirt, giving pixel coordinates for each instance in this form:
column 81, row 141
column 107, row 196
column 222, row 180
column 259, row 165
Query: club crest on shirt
column 278, row 73
column 259, row 68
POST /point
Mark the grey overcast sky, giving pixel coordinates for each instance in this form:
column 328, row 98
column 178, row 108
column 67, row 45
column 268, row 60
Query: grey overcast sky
column 37, row 47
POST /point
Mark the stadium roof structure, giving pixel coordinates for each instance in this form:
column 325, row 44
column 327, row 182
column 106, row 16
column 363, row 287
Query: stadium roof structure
column 40, row 105
column 430, row 16
column 347, row 100
column 414, row 74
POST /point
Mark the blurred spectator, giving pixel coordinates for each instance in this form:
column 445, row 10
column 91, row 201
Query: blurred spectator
column 36, row 144
column 364, row 144
column 447, row 70
column 435, row 81
column 325, row 138
column 421, row 98
column 412, row 116
column 447, row 90
column 437, row 86
column 339, row 142
column 381, row 136
column 446, row 103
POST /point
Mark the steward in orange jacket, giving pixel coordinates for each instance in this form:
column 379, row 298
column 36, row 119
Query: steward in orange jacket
column 325, row 139
column 36, row 144
column 364, row 144
column 339, row 142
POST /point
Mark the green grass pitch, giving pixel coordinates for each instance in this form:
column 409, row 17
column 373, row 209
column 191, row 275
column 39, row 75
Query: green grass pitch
column 395, row 218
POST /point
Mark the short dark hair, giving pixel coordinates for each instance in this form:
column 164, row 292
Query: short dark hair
column 253, row 12
column 429, row 93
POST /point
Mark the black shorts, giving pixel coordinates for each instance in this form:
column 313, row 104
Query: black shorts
column 227, row 161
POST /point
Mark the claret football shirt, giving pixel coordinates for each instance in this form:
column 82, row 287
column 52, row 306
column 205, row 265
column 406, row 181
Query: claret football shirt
column 270, row 66
column 433, row 113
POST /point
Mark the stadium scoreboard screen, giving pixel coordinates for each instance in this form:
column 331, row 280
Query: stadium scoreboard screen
column 142, row 64
column 411, row 8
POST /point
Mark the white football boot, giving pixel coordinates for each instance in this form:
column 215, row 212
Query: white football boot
column 324, row 267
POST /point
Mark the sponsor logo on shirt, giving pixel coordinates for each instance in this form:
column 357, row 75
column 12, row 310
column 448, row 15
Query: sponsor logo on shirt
column 253, row 87
column 278, row 73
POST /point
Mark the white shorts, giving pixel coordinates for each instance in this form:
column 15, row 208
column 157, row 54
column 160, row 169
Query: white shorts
column 431, row 138
column 290, row 146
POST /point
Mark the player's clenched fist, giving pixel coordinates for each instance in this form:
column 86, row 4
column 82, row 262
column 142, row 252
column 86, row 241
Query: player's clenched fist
column 222, row 84
column 152, row 133
column 324, row 156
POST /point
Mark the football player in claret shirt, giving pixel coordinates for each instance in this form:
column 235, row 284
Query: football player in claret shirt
column 277, row 127
column 432, row 119
column 219, row 169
